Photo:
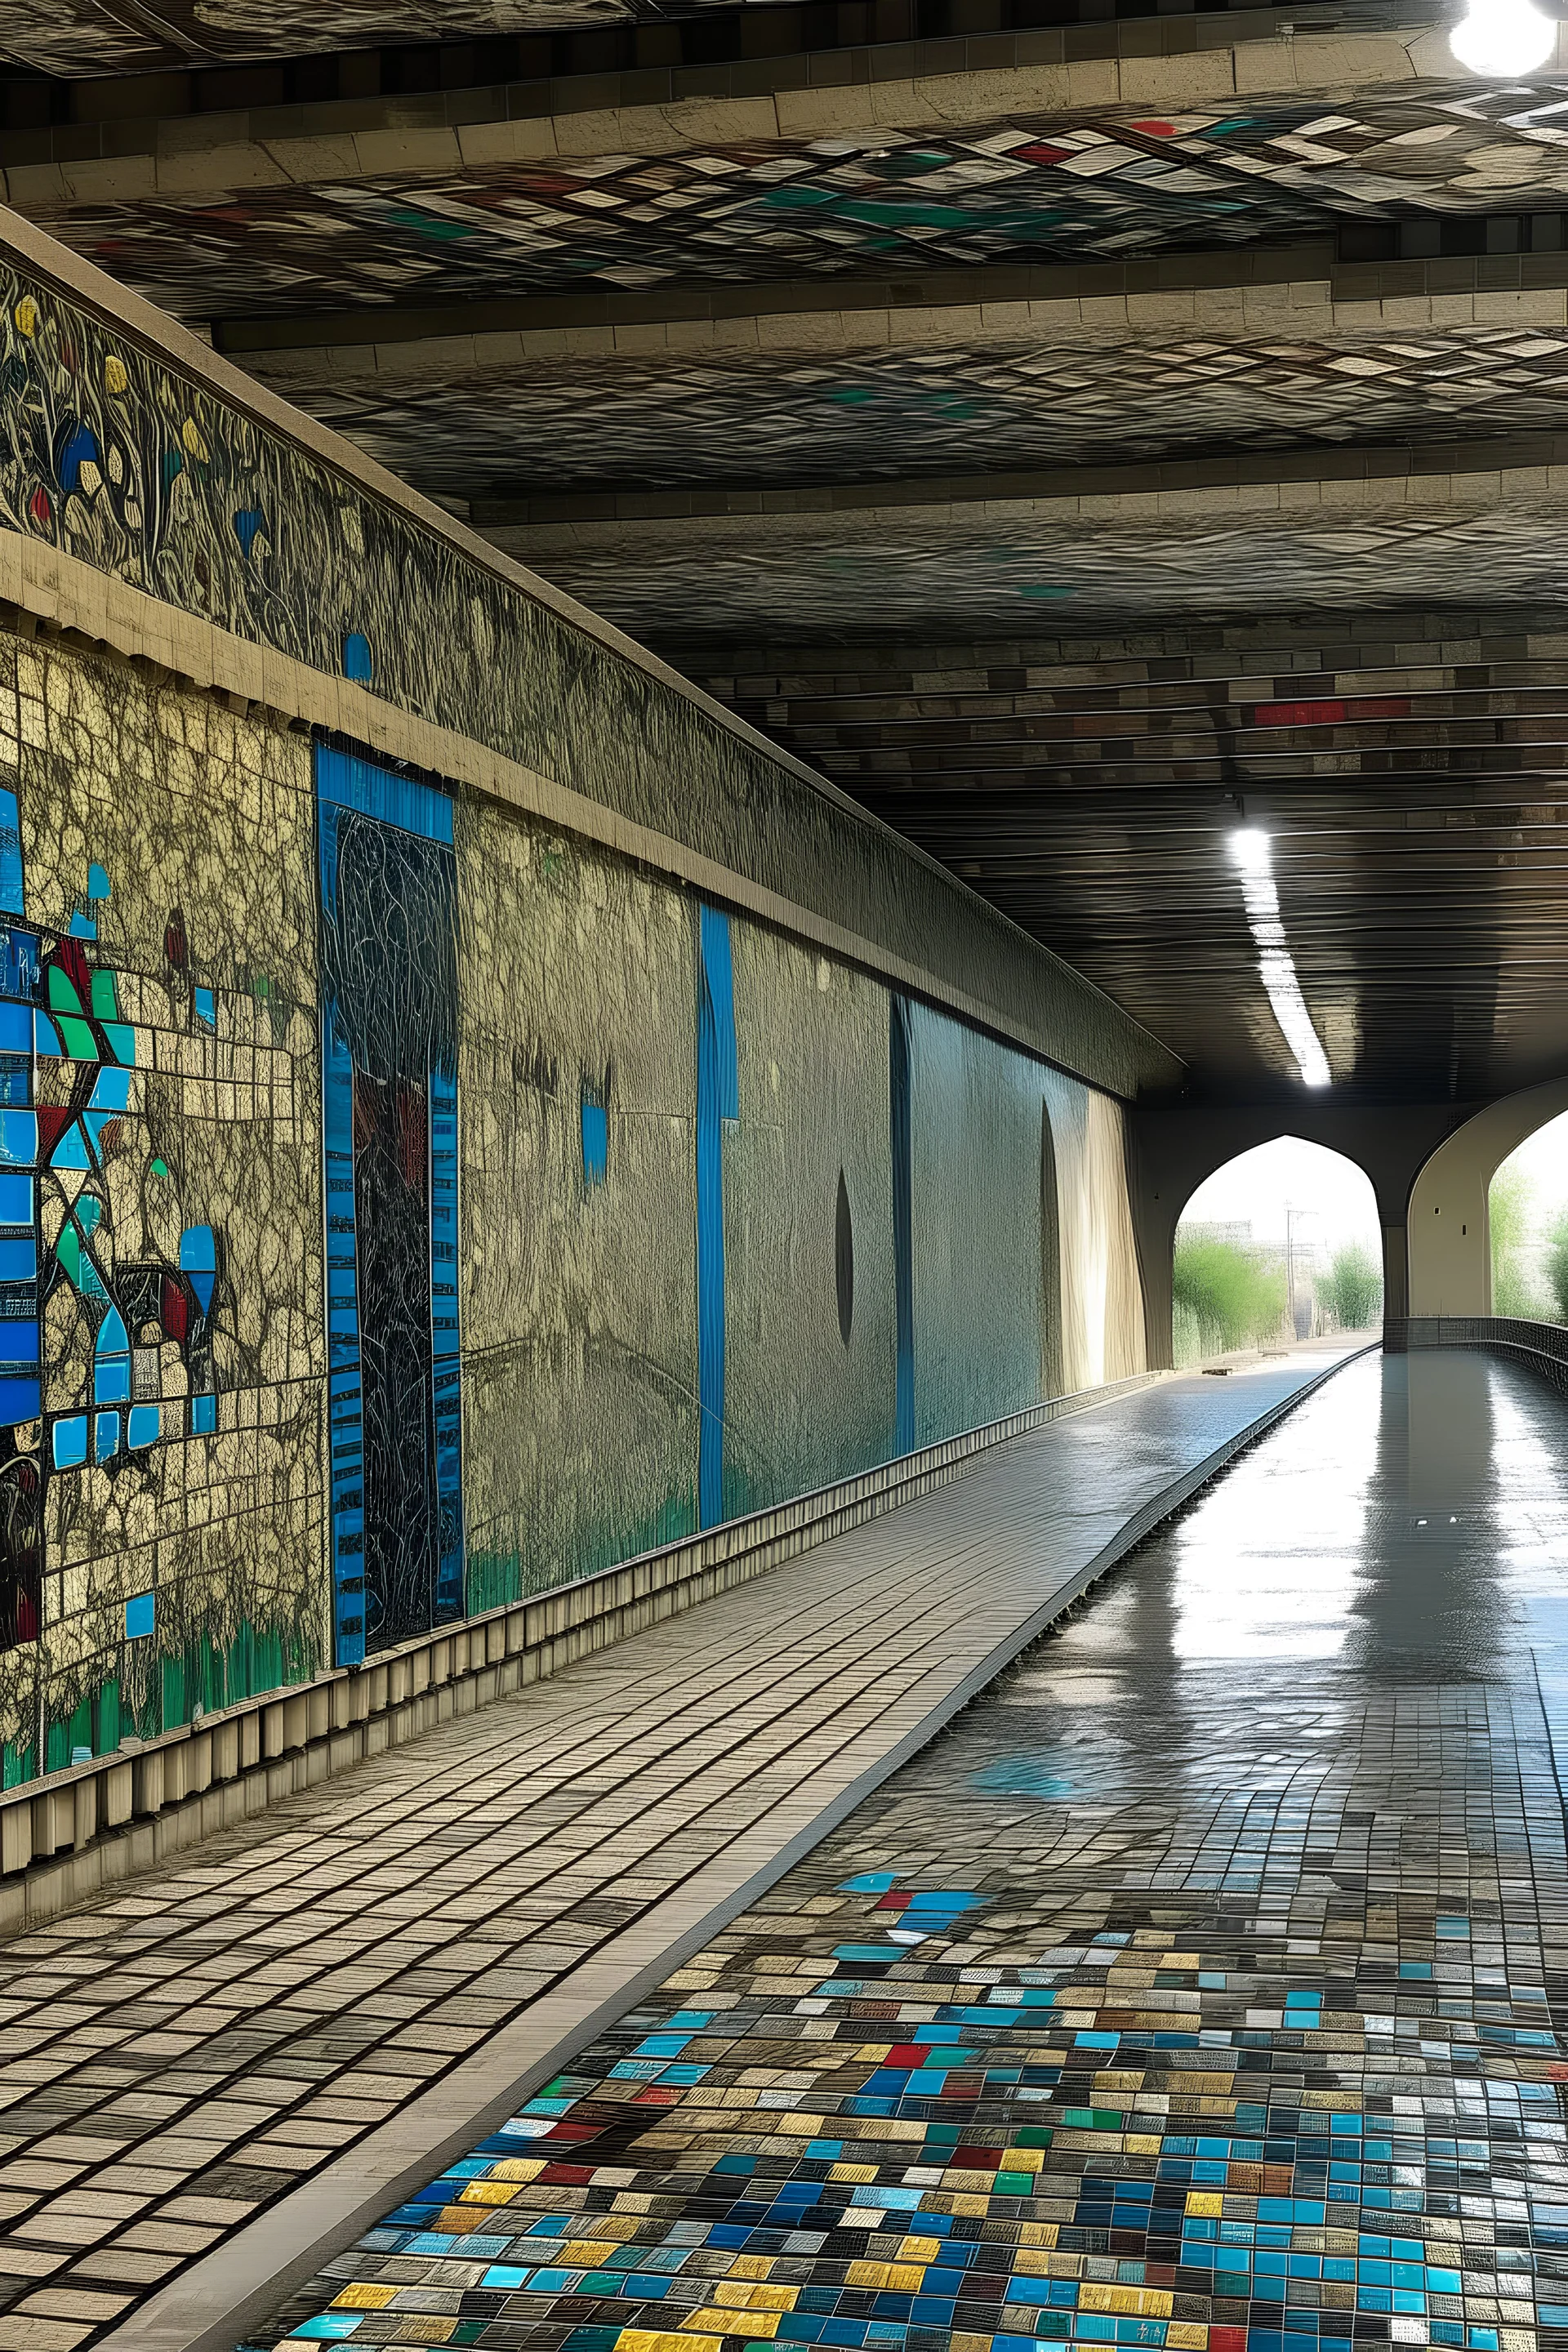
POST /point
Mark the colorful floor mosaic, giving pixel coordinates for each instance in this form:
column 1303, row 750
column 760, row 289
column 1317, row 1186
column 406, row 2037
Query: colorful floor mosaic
column 1193, row 1991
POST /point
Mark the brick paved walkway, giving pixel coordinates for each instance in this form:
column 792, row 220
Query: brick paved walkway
column 1200, row 1989
column 345, row 1991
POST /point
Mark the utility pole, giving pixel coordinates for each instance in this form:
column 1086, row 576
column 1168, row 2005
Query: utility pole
column 1291, row 1213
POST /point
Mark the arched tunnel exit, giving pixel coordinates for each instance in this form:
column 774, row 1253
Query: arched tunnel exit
column 1173, row 1149
column 1429, row 1167
column 1450, row 1215
column 1279, row 1245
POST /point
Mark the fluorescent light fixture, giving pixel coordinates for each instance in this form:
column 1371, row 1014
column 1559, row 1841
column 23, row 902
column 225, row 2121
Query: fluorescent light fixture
column 1503, row 38
column 1254, row 857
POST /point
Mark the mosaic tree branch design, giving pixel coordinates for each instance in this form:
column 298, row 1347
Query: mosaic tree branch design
column 101, row 1357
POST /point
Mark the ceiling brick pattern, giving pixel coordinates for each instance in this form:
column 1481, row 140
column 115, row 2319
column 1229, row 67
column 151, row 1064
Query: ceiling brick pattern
column 1408, row 765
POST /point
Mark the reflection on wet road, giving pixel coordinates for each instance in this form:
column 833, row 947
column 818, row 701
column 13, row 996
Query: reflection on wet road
column 1193, row 1991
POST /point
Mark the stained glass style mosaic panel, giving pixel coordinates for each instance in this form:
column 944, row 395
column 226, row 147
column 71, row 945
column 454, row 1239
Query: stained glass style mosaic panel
column 161, row 1471
column 389, row 1064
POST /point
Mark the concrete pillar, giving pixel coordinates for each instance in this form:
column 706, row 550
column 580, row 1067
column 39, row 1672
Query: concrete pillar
column 1396, row 1273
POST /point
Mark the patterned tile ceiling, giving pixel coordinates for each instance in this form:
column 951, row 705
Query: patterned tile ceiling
column 75, row 38
column 796, row 417
column 1098, row 185
column 884, row 577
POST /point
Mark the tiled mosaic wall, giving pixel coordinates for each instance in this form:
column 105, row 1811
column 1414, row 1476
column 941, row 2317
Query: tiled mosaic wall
column 162, row 1528
column 403, row 1207
column 114, row 455
column 975, row 1126
column 809, row 1258
column 577, row 989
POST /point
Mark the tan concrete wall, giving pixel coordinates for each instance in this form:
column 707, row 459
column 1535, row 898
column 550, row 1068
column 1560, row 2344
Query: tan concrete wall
column 1449, row 1228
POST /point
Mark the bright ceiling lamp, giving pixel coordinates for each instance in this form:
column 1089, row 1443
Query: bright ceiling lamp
column 1254, row 856
column 1502, row 38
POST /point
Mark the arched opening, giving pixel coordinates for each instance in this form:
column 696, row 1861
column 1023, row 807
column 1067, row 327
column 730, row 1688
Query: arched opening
column 1527, row 1216
column 1450, row 1209
column 1279, row 1246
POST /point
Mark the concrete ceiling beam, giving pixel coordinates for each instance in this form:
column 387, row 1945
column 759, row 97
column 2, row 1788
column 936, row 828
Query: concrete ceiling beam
column 1298, row 294
column 873, row 560
column 1441, row 482
column 1268, row 287
column 211, row 156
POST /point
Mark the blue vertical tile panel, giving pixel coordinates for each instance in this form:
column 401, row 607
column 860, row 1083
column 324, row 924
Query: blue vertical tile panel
column 718, row 1099
column 346, row 1417
column 390, row 1105
column 20, row 1391
column 595, row 1143
column 901, row 1134
column 10, row 854
column 446, row 1366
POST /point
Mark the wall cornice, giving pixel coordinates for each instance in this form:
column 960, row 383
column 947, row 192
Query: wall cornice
column 44, row 586
column 1039, row 1001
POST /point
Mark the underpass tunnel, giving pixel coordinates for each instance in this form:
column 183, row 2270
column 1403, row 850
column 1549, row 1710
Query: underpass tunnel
column 708, row 709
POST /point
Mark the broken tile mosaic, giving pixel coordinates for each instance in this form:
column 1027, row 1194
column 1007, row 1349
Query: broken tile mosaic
column 1195, row 1992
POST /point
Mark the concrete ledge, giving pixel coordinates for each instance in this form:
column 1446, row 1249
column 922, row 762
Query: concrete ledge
column 66, row 1837
column 1543, row 1347
column 210, row 2307
column 898, row 85
column 60, row 596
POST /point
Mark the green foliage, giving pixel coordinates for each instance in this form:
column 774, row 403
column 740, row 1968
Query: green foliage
column 1224, row 1296
column 1507, row 1212
column 1508, row 1208
column 1511, row 1294
column 1187, row 1345
column 1351, row 1290
column 1557, row 1263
